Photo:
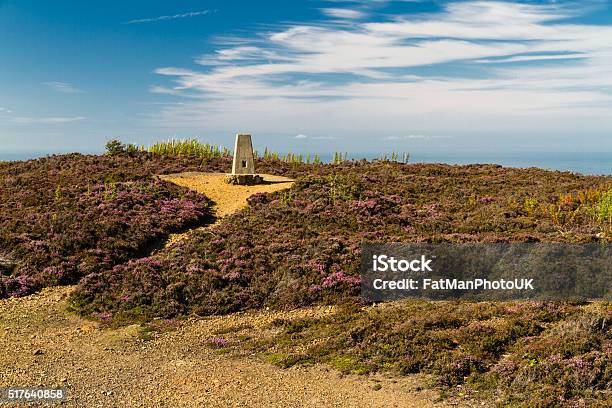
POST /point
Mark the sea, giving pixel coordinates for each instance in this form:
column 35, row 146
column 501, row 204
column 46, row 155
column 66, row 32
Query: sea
column 593, row 163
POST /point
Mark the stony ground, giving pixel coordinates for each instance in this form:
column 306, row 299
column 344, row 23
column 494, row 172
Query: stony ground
column 227, row 198
column 42, row 345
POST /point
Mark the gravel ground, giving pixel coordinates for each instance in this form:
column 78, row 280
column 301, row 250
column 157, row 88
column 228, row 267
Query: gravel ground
column 45, row 346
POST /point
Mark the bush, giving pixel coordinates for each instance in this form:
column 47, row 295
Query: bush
column 603, row 208
column 115, row 147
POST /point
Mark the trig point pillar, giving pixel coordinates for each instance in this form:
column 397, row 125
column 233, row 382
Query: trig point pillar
column 243, row 166
column 244, row 160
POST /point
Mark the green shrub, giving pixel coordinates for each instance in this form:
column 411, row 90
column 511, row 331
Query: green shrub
column 603, row 208
column 189, row 147
column 115, row 147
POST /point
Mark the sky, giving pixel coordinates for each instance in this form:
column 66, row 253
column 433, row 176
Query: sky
column 306, row 75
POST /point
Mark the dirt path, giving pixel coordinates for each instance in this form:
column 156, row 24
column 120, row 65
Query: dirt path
column 228, row 198
column 42, row 345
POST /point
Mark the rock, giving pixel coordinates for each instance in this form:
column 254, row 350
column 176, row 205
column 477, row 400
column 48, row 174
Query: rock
column 243, row 179
column 38, row 352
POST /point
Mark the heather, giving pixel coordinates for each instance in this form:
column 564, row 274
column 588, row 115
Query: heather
column 95, row 220
column 64, row 217
column 302, row 246
column 512, row 353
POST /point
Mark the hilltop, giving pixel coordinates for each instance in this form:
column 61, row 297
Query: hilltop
column 102, row 222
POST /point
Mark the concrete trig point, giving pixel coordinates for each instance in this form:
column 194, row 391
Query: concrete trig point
column 243, row 166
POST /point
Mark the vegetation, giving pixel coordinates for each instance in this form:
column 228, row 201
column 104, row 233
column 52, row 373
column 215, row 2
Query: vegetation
column 115, row 147
column 571, row 208
column 190, row 147
column 405, row 157
column 95, row 220
column 289, row 157
column 602, row 209
column 64, row 217
column 302, row 246
column 195, row 148
column 514, row 353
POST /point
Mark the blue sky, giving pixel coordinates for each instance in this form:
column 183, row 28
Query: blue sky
column 357, row 76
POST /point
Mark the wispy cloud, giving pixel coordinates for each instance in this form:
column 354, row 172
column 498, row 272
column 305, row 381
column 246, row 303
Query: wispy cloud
column 362, row 76
column 527, row 58
column 63, row 87
column 344, row 13
column 300, row 136
column 49, row 120
column 369, row 2
column 172, row 17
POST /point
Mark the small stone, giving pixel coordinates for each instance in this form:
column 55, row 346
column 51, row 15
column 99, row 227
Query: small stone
column 38, row 352
column 377, row 387
column 64, row 379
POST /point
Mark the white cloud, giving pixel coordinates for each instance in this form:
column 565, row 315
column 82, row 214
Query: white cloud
column 63, row 87
column 282, row 80
column 172, row 17
column 527, row 58
column 300, row 136
column 344, row 13
column 49, row 120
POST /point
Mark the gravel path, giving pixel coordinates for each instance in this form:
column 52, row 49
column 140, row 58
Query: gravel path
column 227, row 198
column 42, row 345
